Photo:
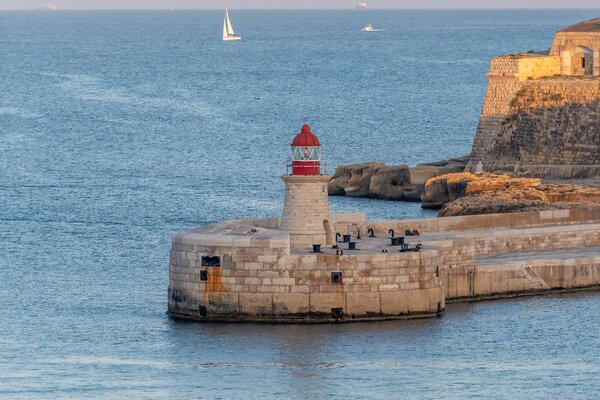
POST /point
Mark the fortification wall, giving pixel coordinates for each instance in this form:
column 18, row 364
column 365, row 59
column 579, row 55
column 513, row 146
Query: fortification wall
column 547, row 125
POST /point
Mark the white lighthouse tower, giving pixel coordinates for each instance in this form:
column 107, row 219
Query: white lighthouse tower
column 306, row 207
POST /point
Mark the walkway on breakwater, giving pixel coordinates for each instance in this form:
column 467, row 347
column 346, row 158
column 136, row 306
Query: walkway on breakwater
column 584, row 253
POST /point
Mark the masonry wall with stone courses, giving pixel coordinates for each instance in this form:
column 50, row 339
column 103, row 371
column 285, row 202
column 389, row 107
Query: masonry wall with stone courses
column 263, row 283
column 538, row 239
column 533, row 66
column 502, row 87
column 187, row 291
column 572, row 46
column 458, row 259
column 306, row 210
column 565, row 274
column 468, row 222
column 546, row 126
column 535, row 275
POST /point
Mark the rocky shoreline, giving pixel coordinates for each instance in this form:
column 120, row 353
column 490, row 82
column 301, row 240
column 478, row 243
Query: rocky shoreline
column 398, row 182
column 444, row 185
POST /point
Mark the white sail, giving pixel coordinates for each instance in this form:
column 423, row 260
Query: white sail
column 228, row 21
column 228, row 33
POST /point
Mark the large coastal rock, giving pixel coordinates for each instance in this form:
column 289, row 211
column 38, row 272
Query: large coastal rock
column 352, row 180
column 375, row 180
column 486, row 193
column 498, row 201
column 424, row 171
column 445, row 188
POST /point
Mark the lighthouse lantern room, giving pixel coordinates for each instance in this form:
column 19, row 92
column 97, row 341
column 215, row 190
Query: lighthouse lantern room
column 306, row 208
column 306, row 153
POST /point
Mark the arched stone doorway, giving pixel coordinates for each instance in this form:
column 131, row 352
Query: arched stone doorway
column 581, row 60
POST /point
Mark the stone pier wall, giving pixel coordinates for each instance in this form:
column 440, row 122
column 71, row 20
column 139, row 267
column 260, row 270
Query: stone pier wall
column 466, row 278
column 253, row 277
column 247, row 271
column 357, row 222
column 505, row 280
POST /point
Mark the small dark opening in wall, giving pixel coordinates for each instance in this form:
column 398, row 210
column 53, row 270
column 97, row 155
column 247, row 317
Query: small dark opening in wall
column 208, row 261
column 336, row 278
column 337, row 312
column 204, row 275
column 202, row 310
column 582, row 62
column 437, row 272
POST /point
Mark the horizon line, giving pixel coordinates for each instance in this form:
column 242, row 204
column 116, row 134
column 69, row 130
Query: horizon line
column 309, row 9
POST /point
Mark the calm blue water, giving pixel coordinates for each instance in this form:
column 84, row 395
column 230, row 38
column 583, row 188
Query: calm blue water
column 119, row 128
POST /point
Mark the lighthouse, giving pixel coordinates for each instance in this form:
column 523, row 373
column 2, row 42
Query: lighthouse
column 306, row 206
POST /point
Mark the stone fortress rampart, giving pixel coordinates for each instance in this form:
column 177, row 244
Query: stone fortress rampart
column 542, row 110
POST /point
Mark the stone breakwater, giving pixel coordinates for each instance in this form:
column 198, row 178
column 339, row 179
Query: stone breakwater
column 246, row 270
column 242, row 270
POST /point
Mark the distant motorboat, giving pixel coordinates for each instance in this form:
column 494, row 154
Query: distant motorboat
column 370, row 28
column 362, row 4
column 228, row 33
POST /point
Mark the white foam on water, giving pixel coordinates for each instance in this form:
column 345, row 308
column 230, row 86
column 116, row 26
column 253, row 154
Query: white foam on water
column 19, row 112
column 87, row 87
column 109, row 361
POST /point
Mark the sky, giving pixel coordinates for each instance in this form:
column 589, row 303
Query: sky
column 290, row 4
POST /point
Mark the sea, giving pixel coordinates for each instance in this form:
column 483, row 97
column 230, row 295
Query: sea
column 118, row 129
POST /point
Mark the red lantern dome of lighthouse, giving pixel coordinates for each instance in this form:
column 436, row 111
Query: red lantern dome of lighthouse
column 306, row 153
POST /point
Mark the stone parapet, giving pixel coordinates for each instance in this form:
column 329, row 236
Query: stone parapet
column 449, row 225
column 524, row 66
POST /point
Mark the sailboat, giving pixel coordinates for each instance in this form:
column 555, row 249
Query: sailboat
column 362, row 4
column 228, row 33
